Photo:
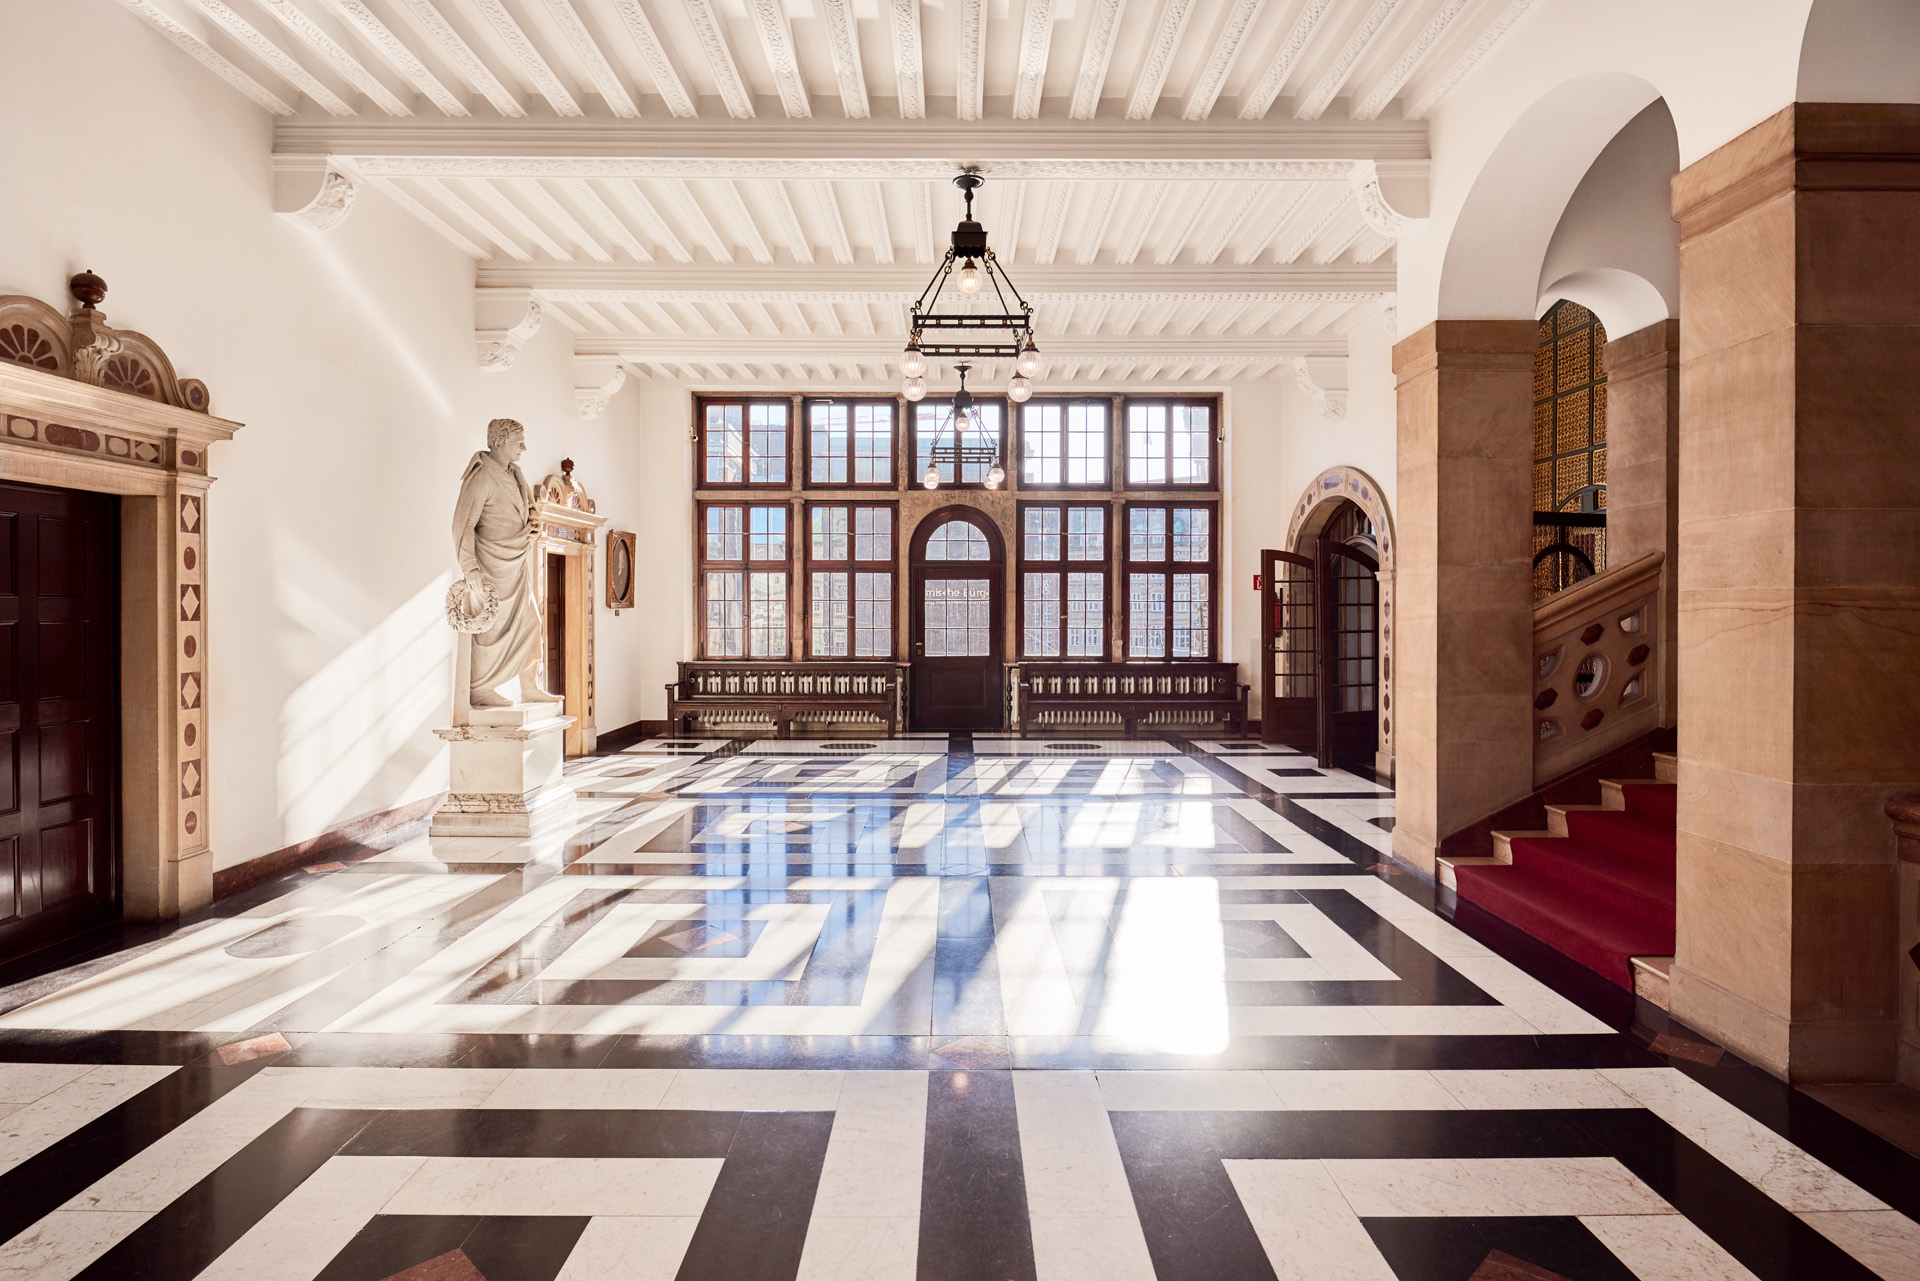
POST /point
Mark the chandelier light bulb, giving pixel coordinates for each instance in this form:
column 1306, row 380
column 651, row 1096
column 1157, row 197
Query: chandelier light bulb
column 914, row 388
column 1018, row 388
column 913, row 364
column 931, row 477
column 996, row 477
column 1028, row 366
column 970, row 277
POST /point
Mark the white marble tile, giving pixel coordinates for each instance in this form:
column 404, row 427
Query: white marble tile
column 1083, row 1249
column 25, row 1082
column 1887, row 1241
column 630, row 1248
column 595, row 1088
column 1377, row 1090
column 63, row 1243
column 299, row 1237
column 858, row 1249
column 558, row 1185
column 1181, row 1091
column 1302, row 1020
column 88, row 1093
column 1665, row 1247
column 874, row 1155
column 1527, row 996
column 1533, row 1088
column 1450, row 1020
column 1775, row 1166
column 1304, row 1223
column 754, row 1090
column 1067, row 1148
column 1035, row 991
column 391, row 1087
column 1510, row 1186
column 154, row 1176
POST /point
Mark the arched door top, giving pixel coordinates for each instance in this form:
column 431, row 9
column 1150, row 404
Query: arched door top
column 958, row 533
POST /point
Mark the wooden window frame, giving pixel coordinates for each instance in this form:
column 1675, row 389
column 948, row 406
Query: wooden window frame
column 1122, row 451
column 892, row 482
column 1063, row 567
column 1166, row 569
column 705, row 565
column 850, row 567
column 1018, row 470
column 1006, row 431
column 700, row 482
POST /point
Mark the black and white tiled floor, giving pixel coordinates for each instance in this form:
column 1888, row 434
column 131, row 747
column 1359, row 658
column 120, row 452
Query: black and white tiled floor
column 979, row 1009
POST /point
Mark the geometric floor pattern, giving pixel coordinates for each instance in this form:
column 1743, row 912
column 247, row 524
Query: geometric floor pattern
column 967, row 1007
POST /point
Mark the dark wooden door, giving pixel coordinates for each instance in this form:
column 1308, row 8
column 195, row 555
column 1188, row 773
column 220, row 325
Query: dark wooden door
column 556, row 624
column 59, row 714
column 1290, row 648
column 1350, row 668
column 957, row 622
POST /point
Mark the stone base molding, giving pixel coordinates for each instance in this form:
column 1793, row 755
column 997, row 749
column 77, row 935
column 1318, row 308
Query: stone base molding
column 86, row 406
column 1799, row 602
column 506, row 773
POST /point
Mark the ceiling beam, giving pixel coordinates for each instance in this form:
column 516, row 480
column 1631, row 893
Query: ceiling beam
column 1334, row 78
column 971, row 78
column 1430, row 96
column 1254, row 105
column 843, row 42
column 587, row 49
column 884, row 347
column 909, row 70
column 274, row 56
column 875, row 282
column 776, row 37
column 202, row 52
column 1226, row 48
column 1158, row 59
column 309, row 33
column 1396, row 76
column 395, row 51
column 713, row 42
column 1030, row 76
column 1096, row 58
column 666, row 77
column 1228, row 149
column 458, row 52
column 528, row 57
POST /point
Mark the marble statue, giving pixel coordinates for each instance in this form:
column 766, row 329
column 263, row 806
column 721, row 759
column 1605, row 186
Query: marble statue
column 493, row 540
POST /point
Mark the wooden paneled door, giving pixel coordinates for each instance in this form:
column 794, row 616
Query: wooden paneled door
column 957, row 622
column 1350, row 670
column 59, row 714
column 1290, row 646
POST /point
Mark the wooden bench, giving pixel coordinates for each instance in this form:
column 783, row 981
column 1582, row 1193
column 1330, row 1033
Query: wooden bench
column 784, row 693
column 1057, row 694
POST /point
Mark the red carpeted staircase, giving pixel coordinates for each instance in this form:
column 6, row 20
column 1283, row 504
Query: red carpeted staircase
column 1597, row 886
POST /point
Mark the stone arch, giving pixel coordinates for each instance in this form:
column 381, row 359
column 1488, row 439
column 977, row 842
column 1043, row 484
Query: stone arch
column 1860, row 51
column 1315, row 507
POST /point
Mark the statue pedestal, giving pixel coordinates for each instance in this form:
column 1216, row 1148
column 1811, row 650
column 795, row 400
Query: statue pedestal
column 506, row 776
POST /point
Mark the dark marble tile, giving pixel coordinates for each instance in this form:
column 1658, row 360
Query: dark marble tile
column 973, row 1189
column 1494, row 1249
column 546, row 1132
column 1195, row 1226
column 755, row 1221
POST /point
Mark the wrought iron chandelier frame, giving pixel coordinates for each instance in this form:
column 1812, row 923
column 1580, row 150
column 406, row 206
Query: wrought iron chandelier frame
column 969, row 249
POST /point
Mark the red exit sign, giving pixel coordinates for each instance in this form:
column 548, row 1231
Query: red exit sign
column 1256, row 582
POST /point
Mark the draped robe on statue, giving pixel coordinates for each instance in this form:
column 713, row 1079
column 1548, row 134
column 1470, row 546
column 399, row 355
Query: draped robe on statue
column 491, row 532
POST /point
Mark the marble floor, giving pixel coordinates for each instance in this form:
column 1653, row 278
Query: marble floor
column 976, row 1008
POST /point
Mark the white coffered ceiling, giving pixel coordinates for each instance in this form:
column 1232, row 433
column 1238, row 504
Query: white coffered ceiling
column 750, row 191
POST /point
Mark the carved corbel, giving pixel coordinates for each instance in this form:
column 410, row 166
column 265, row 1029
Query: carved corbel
column 1324, row 380
column 595, row 380
column 506, row 319
column 312, row 191
column 1389, row 195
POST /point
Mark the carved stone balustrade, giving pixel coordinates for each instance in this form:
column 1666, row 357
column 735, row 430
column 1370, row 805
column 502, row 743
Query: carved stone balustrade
column 1596, row 648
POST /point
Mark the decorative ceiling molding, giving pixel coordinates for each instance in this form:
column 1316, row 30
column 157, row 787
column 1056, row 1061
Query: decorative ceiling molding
column 903, row 297
column 331, row 203
column 343, row 63
column 884, row 347
column 881, row 233
column 527, row 56
column 1390, row 84
column 595, row 380
column 1196, row 205
column 909, row 68
column 1013, row 206
column 1334, row 79
column 1158, row 59
column 1305, row 239
column 713, row 42
column 666, row 77
column 507, row 319
column 836, row 225
column 1206, row 88
column 742, row 219
column 604, row 218
column 783, row 210
column 1275, row 225
column 458, row 52
column 396, row 52
column 843, row 42
column 1255, row 104
column 969, row 85
column 474, row 218
column 696, row 220
column 1379, row 215
column 550, row 209
column 1324, row 380
column 1096, row 229
column 851, row 170
column 1331, row 251
column 1143, row 218
column 585, row 48
column 1224, row 234
column 428, row 217
column 1030, row 74
column 1480, row 48
column 1052, row 223
column 203, row 53
column 511, row 214
column 776, row 38
column 1096, row 58
column 641, row 210
column 923, row 237
column 270, row 53
column 873, row 282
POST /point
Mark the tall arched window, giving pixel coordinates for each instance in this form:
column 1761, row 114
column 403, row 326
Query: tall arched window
column 1569, row 448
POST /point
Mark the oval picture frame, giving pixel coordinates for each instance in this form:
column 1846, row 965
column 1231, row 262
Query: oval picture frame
column 619, row 570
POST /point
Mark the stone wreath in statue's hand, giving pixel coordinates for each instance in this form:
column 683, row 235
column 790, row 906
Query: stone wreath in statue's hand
column 462, row 613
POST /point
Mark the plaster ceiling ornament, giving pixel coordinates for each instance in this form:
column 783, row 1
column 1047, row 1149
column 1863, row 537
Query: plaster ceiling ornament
column 1324, row 380
column 331, row 204
column 973, row 331
column 596, row 379
column 500, row 346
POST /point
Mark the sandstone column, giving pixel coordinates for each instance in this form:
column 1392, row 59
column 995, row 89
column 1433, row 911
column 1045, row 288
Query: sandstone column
column 1463, row 643
column 1643, row 460
column 1800, row 582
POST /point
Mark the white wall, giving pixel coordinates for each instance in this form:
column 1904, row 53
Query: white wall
column 350, row 358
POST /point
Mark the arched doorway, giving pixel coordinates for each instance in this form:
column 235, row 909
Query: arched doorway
column 1569, row 449
column 958, row 566
column 1349, row 702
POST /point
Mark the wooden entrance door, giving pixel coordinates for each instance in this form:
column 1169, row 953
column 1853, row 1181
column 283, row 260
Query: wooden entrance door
column 1289, row 629
column 957, row 615
column 1350, row 643
column 59, row 714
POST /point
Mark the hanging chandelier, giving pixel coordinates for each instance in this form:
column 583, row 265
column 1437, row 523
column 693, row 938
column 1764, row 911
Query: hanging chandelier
column 971, row 266
column 959, row 454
